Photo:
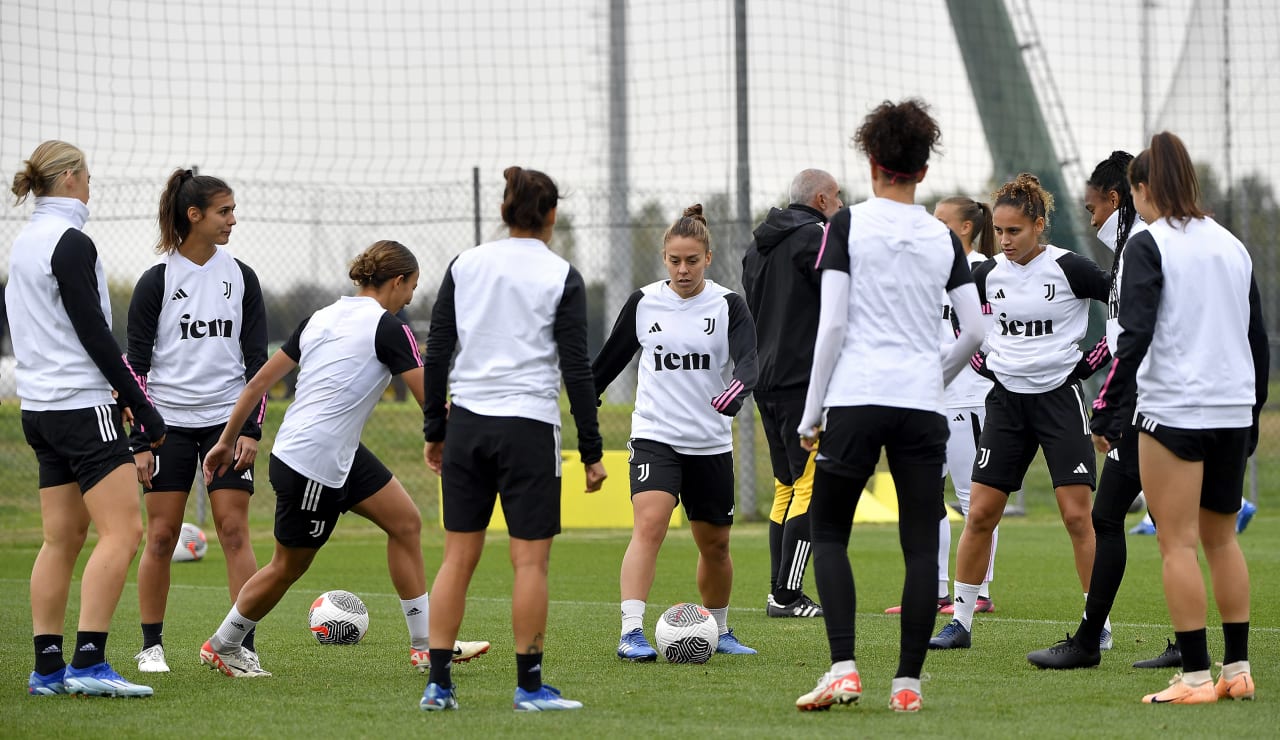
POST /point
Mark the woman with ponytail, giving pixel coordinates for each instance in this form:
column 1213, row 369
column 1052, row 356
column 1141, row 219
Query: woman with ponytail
column 516, row 313
column 1193, row 342
column 76, row 391
column 345, row 354
column 197, row 334
column 1039, row 296
column 697, row 342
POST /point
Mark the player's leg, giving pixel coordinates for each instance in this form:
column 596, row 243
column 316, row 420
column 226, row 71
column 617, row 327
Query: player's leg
column 164, row 522
column 1220, row 501
column 796, row 543
column 65, row 523
column 655, row 479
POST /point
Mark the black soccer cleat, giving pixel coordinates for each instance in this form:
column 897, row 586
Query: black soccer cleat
column 1170, row 658
column 1065, row 655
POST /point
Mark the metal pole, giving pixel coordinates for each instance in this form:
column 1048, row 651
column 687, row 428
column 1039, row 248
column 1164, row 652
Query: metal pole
column 475, row 199
column 1144, row 66
column 622, row 281
column 746, row 420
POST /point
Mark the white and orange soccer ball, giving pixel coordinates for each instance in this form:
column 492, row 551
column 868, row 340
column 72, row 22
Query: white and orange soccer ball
column 339, row 618
column 191, row 545
column 686, row 633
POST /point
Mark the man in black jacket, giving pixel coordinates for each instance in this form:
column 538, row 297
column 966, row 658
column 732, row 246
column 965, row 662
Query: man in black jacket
column 781, row 284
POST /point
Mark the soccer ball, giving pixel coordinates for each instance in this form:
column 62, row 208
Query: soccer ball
column 686, row 633
column 339, row 618
column 191, row 545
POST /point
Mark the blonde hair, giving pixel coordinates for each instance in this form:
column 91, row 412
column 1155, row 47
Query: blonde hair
column 384, row 260
column 40, row 173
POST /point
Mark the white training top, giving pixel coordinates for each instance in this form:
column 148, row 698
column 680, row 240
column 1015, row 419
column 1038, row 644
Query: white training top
column 969, row 389
column 346, row 355
column 1109, row 234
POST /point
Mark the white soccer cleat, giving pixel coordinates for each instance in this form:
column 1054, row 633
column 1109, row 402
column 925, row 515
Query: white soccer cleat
column 239, row 663
column 463, row 650
column 832, row 688
column 151, row 660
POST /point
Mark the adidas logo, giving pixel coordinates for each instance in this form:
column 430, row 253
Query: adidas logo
column 88, row 647
column 247, row 475
column 1081, row 468
column 959, row 417
column 999, row 296
column 51, row 649
column 655, row 328
column 1114, row 454
column 238, row 625
column 179, row 294
column 536, row 669
column 415, row 611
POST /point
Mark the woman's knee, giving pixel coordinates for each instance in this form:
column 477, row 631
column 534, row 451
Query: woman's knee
column 162, row 538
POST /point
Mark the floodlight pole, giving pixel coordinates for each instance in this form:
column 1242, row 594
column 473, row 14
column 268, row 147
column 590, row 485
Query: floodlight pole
column 620, row 283
column 746, row 419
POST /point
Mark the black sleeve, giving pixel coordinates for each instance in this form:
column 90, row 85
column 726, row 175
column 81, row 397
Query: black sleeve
column 1086, row 279
column 980, row 273
column 742, row 348
column 253, row 344
column 1093, row 360
column 960, row 270
column 1140, row 289
column 73, row 261
column 293, row 345
column 1261, row 351
column 805, row 258
column 833, row 253
column 570, row 332
column 442, row 340
column 619, row 348
column 395, row 345
column 144, row 318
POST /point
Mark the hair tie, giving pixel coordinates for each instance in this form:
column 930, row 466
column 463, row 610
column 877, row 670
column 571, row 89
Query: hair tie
column 894, row 175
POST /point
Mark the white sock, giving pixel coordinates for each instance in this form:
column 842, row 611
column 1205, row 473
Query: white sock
column 417, row 617
column 1197, row 678
column 722, row 618
column 966, row 597
column 904, row 682
column 1231, row 670
column 944, row 557
column 991, row 564
column 230, row 634
column 1106, row 623
column 632, row 615
column 944, row 589
column 843, row 667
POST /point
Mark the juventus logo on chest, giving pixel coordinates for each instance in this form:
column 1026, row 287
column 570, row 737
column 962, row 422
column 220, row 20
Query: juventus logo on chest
column 1049, row 291
column 226, row 290
column 709, row 326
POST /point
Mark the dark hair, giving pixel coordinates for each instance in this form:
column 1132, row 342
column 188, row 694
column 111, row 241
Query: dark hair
column 898, row 138
column 384, row 260
column 1166, row 169
column 183, row 190
column 979, row 214
column 1111, row 176
column 39, row 174
column 528, row 198
column 691, row 224
column 1025, row 193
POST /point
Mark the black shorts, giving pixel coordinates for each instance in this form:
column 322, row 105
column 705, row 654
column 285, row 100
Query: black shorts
column 1224, row 452
column 508, row 456
column 78, row 446
column 1018, row 424
column 780, row 420
column 854, row 435
column 179, row 460
column 703, row 483
column 307, row 510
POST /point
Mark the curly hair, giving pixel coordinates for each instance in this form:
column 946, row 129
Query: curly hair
column 898, row 138
column 1025, row 193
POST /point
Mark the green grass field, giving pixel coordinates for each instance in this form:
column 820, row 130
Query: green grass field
column 369, row 689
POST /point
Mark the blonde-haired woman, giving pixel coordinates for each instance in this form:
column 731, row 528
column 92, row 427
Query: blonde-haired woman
column 73, row 384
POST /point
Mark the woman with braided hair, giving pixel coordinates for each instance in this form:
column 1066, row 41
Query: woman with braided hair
column 1039, row 296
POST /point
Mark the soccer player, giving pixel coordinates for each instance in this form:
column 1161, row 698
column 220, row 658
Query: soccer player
column 1039, row 295
column 970, row 220
column 197, row 333
column 1109, row 202
column 877, row 384
column 346, row 354
column 697, row 348
column 780, row 283
column 1193, row 341
column 74, row 387
column 517, row 315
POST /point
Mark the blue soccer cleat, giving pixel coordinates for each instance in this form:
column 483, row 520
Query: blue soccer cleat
column 635, row 648
column 1247, row 510
column 46, row 685
column 952, row 637
column 1144, row 527
column 729, row 645
column 101, row 680
column 436, row 699
column 545, row 699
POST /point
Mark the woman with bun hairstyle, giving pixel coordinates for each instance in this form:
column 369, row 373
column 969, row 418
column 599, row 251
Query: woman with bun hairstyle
column 516, row 314
column 877, row 384
column 1193, row 341
column 346, row 354
column 197, row 334
column 1039, row 296
column 76, row 390
column 697, row 343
